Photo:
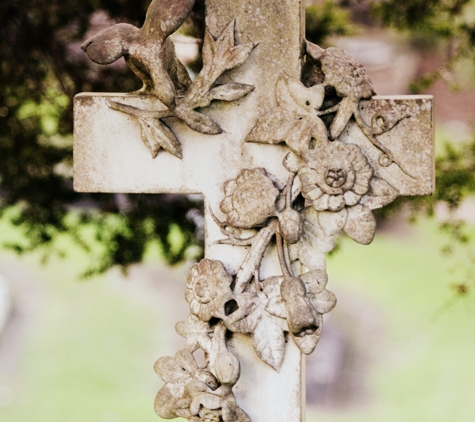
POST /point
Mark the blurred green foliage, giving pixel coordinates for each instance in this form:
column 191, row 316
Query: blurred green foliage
column 326, row 19
column 434, row 21
column 42, row 68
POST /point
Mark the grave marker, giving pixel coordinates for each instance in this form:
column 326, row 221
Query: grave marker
column 289, row 146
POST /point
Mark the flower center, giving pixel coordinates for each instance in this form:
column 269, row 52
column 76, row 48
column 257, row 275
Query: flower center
column 335, row 177
column 202, row 291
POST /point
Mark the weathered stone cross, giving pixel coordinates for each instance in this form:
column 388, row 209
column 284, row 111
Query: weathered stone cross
column 294, row 147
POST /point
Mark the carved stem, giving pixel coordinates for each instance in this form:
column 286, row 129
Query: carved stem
column 369, row 134
column 232, row 239
column 288, row 196
column 329, row 110
column 253, row 258
column 280, row 254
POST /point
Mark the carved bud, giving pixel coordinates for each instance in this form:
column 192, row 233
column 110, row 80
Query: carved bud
column 293, row 163
column 227, row 368
column 301, row 316
column 290, row 225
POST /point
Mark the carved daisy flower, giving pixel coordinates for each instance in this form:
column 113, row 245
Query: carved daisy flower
column 336, row 175
column 208, row 289
column 249, row 199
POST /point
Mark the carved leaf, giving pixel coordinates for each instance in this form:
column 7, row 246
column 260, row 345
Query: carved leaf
column 274, row 305
column 360, row 225
column 268, row 339
column 308, row 255
column 210, row 401
column 208, row 48
column 229, row 92
column 332, row 222
column 280, row 125
column 156, row 135
column 346, row 108
column 266, row 330
column 196, row 333
column 226, row 40
column 245, row 319
column 218, row 56
column 242, row 416
column 315, row 234
column 165, row 367
column 295, row 121
column 197, row 121
column 381, row 193
column 238, row 55
column 294, row 96
column 307, row 343
column 315, row 281
column 324, row 301
column 226, row 55
column 310, row 250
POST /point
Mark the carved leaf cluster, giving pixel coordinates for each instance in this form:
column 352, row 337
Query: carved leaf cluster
column 219, row 56
column 200, row 393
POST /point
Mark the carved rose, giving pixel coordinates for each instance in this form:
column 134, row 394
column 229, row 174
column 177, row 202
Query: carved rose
column 249, row 199
column 336, row 175
column 208, row 289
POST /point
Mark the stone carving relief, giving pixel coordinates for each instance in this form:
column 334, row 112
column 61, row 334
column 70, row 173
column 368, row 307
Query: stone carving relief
column 331, row 188
column 151, row 55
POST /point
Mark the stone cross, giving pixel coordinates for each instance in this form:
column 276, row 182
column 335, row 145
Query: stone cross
column 289, row 146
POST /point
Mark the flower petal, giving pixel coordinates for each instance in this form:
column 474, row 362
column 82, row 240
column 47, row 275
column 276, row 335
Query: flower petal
column 361, row 186
column 229, row 187
column 314, row 194
column 336, row 203
column 351, row 198
column 332, row 222
column 360, row 225
column 321, row 204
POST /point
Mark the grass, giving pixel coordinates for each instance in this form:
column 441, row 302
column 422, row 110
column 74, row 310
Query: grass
column 89, row 352
column 425, row 370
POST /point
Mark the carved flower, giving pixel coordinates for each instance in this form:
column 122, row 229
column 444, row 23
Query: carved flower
column 336, row 175
column 249, row 199
column 208, row 289
column 345, row 74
